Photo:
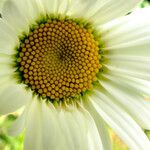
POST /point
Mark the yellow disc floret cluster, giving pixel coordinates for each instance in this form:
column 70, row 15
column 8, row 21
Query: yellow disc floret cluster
column 59, row 59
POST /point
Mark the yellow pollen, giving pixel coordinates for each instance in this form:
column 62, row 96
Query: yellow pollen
column 59, row 59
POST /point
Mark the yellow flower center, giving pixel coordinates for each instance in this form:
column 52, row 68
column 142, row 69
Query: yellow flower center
column 59, row 59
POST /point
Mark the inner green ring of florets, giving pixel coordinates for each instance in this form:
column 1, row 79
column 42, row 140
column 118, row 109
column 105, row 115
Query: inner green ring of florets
column 59, row 58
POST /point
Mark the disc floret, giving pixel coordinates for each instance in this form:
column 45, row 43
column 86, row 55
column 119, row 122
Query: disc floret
column 59, row 59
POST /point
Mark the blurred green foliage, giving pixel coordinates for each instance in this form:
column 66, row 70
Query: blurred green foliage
column 145, row 3
column 16, row 143
column 7, row 142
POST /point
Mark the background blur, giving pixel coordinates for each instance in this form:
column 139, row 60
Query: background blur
column 16, row 143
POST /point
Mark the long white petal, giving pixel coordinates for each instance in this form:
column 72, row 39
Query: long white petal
column 73, row 129
column 129, row 72
column 12, row 97
column 8, row 39
column 56, row 6
column 101, row 11
column 19, row 125
column 51, row 130
column 136, row 66
column 33, row 137
column 14, row 17
column 120, row 122
column 50, row 6
column 22, row 14
column 127, row 95
column 101, row 126
column 93, row 134
column 129, row 31
column 94, row 140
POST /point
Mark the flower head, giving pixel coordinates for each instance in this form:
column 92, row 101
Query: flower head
column 75, row 65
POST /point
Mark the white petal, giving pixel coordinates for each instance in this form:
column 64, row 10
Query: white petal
column 96, row 141
column 136, row 66
column 5, row 58
column 127, row 32
column 8, row 39
column 19, row 125
column 51, row 132
column 101, row 126
column 63, row 129
column 6, row 71
column 139, row 86
column 6, row 68
column 73, row 131
column 56, row 6
column 129, row 72
column 78, row 8
column 14, row 16
column 82, row 130
column 101, row 11
column 34, row 11
column 33, row 137
column 63, row 6
column 50, row 6
column 128, row 94
column 92, row 132
column 22, row 14
column 12, row 97
column 120, row 122
column 128, row 49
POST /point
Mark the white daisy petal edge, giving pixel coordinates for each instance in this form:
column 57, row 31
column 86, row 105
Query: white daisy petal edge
column 74, row 130
column 120, row 121
column 124, row 35
column 7, row 34
column 101, row 11
column 20, row 14
column 33, row 127
column 16, row 98
column 135, row 103
column 128, row 66
column 101, row 126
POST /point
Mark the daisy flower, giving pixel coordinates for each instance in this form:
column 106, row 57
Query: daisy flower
column 76, row 66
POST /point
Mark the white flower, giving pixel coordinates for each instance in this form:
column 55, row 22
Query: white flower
column 101, row 69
